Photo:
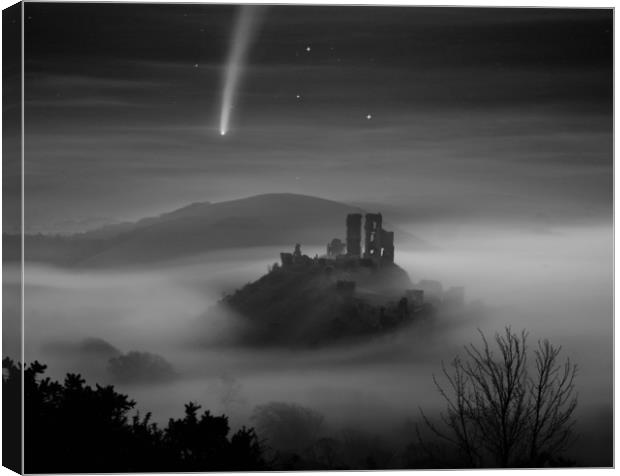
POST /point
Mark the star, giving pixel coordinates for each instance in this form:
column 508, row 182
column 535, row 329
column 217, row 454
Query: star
column 369, row 116
column 308, row 48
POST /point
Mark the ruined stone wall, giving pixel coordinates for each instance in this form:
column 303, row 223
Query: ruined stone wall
column 354, row 234
column 387, row 246
column 372, row 235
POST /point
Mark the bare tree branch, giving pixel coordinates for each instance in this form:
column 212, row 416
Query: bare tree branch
column 496, row 413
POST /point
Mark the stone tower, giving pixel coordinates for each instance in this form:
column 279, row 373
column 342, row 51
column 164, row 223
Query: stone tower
column 387, row 244
column 372, row 237
column 354, row 234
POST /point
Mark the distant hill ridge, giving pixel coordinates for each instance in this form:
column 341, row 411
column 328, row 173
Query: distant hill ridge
column 275, row 219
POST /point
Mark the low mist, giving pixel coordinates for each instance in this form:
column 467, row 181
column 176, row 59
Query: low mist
column 556, row 284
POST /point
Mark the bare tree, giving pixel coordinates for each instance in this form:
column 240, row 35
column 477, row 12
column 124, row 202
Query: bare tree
column 498, row 413
column 553, row 402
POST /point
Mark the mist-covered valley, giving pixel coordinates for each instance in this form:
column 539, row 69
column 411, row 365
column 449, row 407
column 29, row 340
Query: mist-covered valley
column 155, row 331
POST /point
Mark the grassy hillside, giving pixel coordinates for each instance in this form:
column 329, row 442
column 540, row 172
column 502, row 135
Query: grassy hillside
column 309, row 305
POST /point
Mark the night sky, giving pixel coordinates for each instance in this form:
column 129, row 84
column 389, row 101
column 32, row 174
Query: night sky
column 502, row 115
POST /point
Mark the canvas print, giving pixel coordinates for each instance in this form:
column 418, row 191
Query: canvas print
column 303, row 237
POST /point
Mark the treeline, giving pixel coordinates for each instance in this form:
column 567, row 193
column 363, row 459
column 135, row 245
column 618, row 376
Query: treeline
column 73, row 427
column 497, row 415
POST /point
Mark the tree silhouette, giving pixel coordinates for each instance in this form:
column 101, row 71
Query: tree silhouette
column 500, row 415
column 12, row 415
column 201, row 442
column 72, row 427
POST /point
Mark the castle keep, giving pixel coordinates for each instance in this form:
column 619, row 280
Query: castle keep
column 354, row 234
column 378, row 243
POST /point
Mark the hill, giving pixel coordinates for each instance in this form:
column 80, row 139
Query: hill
column 321, row 301
column 261, row 220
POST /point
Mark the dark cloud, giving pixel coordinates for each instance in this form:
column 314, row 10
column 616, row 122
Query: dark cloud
column 444, row 36
column 122, row 107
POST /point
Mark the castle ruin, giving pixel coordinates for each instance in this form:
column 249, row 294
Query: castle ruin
column 378, row 251
column 378, row 243
column 354, row 234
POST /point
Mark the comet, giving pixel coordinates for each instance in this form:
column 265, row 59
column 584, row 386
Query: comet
column 243, row 33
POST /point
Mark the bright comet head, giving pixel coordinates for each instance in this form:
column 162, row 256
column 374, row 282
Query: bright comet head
column 222, row 132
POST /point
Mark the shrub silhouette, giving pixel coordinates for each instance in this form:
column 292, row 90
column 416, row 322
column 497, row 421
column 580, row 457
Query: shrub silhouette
column 287, row 427
column 501, row 415
column 201, row 442
column 142, row 367
column 72, row 427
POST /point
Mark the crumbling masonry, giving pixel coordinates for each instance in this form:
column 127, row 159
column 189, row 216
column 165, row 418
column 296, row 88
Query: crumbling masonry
column 378, row 243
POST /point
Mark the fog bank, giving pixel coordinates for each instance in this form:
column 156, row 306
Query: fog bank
column 556, row 285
